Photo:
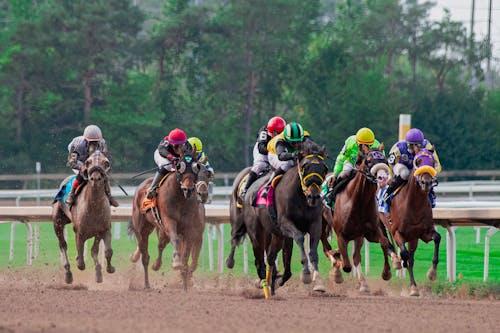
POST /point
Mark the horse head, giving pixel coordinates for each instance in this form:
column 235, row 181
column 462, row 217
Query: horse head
column 312, row 171
column 186, row 171
column 96, row 168
column 371, row 162
column 204, row 176
column 424, row 171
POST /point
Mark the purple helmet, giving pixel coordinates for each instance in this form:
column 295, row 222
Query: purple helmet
column 415, row 136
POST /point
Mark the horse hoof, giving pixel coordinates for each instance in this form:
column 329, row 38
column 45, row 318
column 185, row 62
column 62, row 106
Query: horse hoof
column 364, row 289
column 347, row 269
column 110, row 269
column 386, row 276
column 156, row 266
column 414, row 291
column 68, row 278
column 431, row 274
column 319, row 287
column 230, row 262
column 147, row 286
column 258, row 283
column 306, row 278
column 337, row 276
column 81, row 266
column 176, row 263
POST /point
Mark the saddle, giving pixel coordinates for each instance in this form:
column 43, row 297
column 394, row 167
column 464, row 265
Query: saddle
column 260, row 201
column 242, row 185
column 148, row 204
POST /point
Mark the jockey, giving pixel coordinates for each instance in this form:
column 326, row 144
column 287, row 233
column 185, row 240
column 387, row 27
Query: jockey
column 401, row 161
column 283, row 152
column 201, row 157
column 363, row 141
column 274, row 126
column 80, row 148
column 170, row 149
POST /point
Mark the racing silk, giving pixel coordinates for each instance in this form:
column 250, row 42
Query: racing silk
column 263, row 139
column 284, row 150
column 166, row 150
column 349, row 154
column 83, row 148
column 401, row 154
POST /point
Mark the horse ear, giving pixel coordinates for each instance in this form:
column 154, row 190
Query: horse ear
column 417, row 162
column 381, row 147
column 323, row 151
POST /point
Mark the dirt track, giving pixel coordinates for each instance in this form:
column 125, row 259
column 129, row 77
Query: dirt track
column 39, row 302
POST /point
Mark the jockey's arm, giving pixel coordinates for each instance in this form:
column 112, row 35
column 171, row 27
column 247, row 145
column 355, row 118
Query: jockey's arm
column 341, row 159
column 282, row 152
column 394, row 155
column 437, row 163
column 262, row 142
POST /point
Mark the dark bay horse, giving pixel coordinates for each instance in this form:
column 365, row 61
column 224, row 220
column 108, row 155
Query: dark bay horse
column 179, row 218
column 90, row 215
column 299, row 209
column 411, row 219
column 355, row 217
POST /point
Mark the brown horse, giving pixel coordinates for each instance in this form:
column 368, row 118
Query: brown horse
column 180, row 219
column 299, row 210
column 204, row 177
column 411, row 220
column 355, row 217
column 90, row 215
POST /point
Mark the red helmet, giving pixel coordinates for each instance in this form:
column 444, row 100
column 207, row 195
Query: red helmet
column 177, row 137
column 275, row 125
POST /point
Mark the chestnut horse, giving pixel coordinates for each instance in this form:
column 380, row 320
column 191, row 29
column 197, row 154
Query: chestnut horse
column 90, row 215
column 179, row 217
column 355, row 217
column 411, row 218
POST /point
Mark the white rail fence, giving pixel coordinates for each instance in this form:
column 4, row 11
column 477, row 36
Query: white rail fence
column 216, row 216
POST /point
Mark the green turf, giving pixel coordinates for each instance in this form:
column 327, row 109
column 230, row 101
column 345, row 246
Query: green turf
column 469, row 254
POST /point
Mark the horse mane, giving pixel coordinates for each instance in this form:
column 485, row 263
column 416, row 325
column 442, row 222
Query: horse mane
column 309, row 147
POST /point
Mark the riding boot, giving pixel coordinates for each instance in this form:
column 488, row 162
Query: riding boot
column 274, row 219
column 156, row 182
column 112, row 201
column 332, row 193
column 252, row 177
column 397, row 182
column 71, row 197
column 269, row 183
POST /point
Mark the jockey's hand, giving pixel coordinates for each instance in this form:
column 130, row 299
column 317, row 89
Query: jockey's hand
column 295, row 155
column 331, row 181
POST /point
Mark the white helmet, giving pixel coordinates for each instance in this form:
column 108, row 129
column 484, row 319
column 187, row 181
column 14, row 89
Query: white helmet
column 92, row 133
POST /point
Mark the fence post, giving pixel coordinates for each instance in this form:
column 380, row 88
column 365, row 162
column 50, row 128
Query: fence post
column 210, row 248
column 220, row 248
column 29, row 244
column 491, row 231
column 245, row 256
column 12, row 237
column 367, row 256
column 117, row 230
column 478, row 234
column 451, row 259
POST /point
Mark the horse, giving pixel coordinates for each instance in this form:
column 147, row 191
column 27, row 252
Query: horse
column 299, row 212
column 90, row 215
column 177, row 214
column 355, row 217
column 411, row 217
column 202, row 193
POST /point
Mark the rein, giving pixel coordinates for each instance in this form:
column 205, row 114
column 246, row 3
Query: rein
column 371, row 178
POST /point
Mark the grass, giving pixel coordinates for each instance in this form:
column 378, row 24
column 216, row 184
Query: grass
column 469, row 255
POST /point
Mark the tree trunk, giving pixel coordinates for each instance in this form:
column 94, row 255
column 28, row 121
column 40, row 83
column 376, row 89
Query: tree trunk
column 87, row 93
column 20, row 114
column 249, row 106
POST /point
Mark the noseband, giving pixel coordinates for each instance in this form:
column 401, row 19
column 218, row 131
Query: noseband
column 316, row 159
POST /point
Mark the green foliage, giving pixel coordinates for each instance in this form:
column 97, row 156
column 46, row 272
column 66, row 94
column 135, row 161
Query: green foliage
column 220, row 69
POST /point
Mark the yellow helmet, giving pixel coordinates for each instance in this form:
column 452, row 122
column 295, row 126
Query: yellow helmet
column 196, row 144
column 365, row 136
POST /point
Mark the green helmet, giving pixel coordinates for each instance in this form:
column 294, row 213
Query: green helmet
column 294, row 132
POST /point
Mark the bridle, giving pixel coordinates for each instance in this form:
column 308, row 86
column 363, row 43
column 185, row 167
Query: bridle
column 314, row 159
column 378, row 157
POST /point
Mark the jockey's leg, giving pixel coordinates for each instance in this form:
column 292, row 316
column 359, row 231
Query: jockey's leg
column 252, row 177
column 160, row 173
column 72, row 194
column 402, row 173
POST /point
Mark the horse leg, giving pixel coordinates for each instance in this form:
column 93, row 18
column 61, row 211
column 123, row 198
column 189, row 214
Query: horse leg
column 411, row 260
column 174, row 238
column 287, row 260
column 195, row 254
column 162, row 242
column 108, row 252
column 185, row 252
column 63, row 248
column 143, row 247
column 260, row 265
column 80, row 242
column 95, row 256
column 346, row 263
column 272, row 254
column 315, row 233
column 356, row 258
column 436, row 237
column 404, row 252
column 289, row 230
column 386, row 249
